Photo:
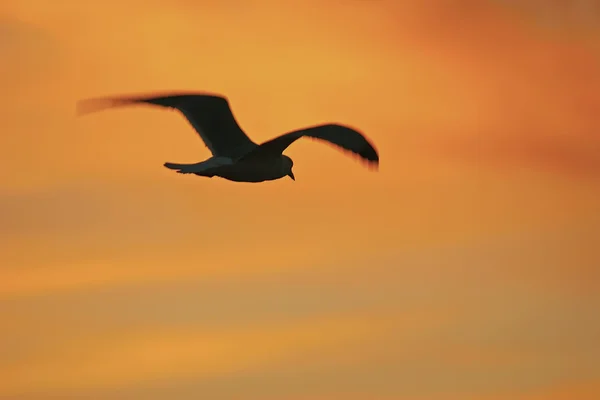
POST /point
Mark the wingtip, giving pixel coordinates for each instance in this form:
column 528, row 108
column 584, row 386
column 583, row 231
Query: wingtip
column 80, row 108
column 373, row 165
column 87, row 106
column 91, row 105
column 370, row 155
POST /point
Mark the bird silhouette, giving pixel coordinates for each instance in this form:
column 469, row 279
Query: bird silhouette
column 235, row 156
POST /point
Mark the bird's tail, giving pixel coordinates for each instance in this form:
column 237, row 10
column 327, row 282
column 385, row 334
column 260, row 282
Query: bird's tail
column 183, row 168
column 203, row 168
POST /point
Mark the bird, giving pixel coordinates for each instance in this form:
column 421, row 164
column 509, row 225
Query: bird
column 235, row 157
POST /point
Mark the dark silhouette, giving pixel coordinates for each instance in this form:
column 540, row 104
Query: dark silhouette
column 235, row 156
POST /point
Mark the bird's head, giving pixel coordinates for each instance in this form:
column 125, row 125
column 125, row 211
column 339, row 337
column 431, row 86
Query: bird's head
column 287, row 167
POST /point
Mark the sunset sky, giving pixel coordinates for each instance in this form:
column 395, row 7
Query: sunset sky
column 466, row 268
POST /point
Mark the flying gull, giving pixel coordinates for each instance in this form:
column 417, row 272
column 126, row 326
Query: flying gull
column 234, row 155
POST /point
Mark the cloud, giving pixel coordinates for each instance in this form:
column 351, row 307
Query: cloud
column 501, row 316
column 578, row 15
column 31, row 57
column 94, row 232
column 67, row 219
column 573, row 156
column 133, row 357
column 339, row 287
column 526, row 98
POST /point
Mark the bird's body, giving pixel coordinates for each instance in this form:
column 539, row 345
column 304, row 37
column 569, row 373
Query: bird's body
column 235, row 156
column 268, row 169
column 254, row 169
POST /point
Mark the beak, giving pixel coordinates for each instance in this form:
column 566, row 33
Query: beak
column 291, row 175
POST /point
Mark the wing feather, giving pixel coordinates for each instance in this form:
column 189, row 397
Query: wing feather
column 343, row 137
column 210, row 115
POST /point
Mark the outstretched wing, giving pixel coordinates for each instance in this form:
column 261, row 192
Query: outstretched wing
column 210, row 115
column 344, row 137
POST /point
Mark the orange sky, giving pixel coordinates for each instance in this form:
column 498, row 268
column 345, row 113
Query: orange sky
column 466, row 268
